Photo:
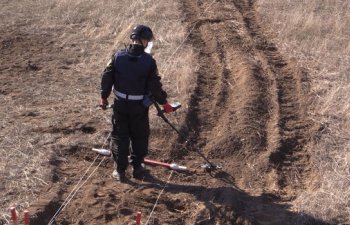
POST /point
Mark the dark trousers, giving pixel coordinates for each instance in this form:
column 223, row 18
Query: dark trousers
column 130, row 133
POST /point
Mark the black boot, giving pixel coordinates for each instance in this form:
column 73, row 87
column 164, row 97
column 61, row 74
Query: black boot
column 139, row 172
column 119, row 176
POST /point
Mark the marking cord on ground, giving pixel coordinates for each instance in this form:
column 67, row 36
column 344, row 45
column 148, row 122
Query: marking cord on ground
column 76, row 191
column 156, row 203
column 77, row 187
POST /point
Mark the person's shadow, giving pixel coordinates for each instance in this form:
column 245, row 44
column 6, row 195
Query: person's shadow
column 230, row 205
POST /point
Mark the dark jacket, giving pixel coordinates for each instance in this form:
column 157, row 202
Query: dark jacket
column 133, row 72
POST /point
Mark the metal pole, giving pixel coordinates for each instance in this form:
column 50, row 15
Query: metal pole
column 161, row 115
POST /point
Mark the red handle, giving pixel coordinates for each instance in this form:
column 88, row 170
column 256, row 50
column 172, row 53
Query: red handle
column 156, row 163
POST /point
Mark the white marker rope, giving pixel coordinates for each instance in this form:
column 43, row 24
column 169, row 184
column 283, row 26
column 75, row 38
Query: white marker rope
column 78, row 186
column 156, row 203
column 75, row 192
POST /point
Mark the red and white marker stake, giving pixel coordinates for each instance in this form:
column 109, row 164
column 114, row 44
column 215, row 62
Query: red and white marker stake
column 14, row 216
column 138, row 218
column 26, row 217
column 172, row 166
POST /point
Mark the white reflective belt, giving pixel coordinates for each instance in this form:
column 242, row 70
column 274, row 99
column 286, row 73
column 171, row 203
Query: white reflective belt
column 127, row 97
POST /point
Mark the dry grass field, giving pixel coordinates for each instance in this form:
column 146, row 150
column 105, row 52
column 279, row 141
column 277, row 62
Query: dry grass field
column 316, row 33
column 265, row 91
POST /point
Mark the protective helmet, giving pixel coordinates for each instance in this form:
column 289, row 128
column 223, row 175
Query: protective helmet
column 142, row 32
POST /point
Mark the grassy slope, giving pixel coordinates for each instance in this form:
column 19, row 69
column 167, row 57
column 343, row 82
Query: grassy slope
column 317, row 35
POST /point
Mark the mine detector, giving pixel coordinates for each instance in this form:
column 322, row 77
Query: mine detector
column 208, row 166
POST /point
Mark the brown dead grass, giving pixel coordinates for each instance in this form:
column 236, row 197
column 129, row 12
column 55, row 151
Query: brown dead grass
column 317, row 34
column 82, row 35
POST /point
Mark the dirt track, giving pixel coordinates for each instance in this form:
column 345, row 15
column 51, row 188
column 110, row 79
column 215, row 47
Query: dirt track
column 247, row 113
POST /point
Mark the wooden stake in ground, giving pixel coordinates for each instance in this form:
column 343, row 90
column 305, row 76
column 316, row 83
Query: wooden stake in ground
column 14, row 216
column 138, row 218
column 26, row 217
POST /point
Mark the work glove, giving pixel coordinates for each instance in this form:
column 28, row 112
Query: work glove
column 167, row 108
column 104, row 103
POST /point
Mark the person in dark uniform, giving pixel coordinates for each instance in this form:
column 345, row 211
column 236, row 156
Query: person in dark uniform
column 133, row 75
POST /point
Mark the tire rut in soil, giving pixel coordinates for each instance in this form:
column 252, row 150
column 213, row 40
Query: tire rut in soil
column 247, row 108
column 214, row 106
column 228, row 114
column 290, row 158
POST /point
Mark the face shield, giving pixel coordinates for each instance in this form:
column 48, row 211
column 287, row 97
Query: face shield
column 149, row 47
